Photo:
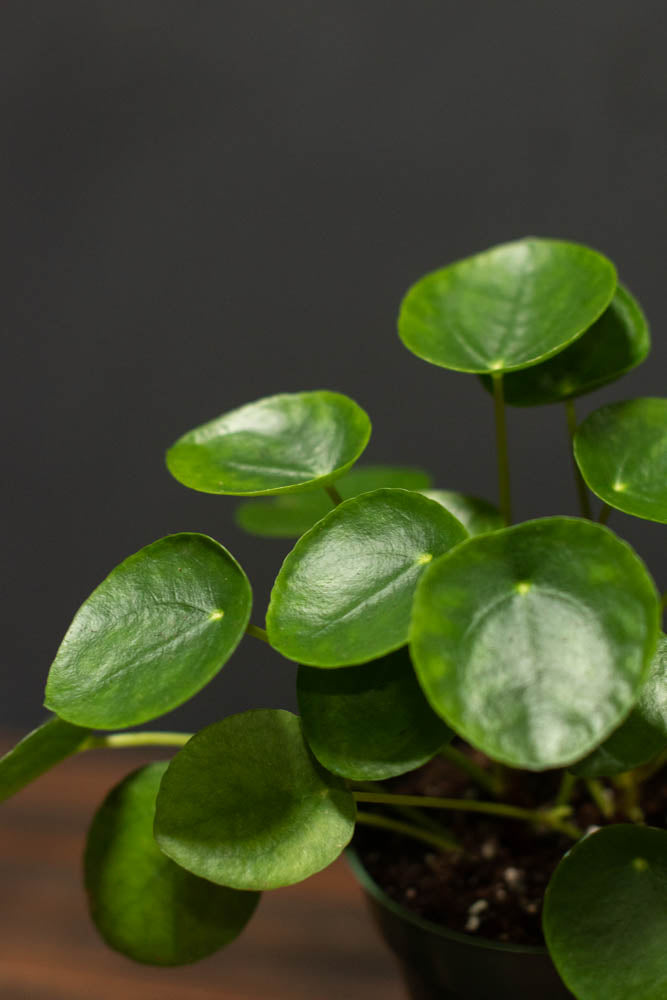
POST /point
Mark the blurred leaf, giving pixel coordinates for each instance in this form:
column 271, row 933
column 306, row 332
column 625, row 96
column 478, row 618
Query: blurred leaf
column 621, row 451
column 477, row 516
column 245, row 804
column 369, row 722
column 291, row 515
column 605, row 915
column 37, row 752
column 143, row 904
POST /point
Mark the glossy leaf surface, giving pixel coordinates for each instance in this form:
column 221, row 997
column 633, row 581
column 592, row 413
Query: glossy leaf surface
column 605, row 915
column 621, row 450
column 343, row 595
column 291, row 515
column 37, row 752
column 617, row 342
column 644, row 732
column 151, row 635
column 508, row 307
column 144, row 905
column 508, row 625
column 287, row 442
column 369, row 722
column 476, row 515
column 245, row 804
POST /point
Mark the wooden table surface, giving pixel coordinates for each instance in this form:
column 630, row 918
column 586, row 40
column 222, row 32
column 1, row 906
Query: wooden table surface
column 312, row 941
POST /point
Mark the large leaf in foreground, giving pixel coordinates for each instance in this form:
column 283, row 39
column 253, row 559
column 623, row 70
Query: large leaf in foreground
column 644, row 732
column 369, row 722
column 343, row 595
column 508, row 307
column 144, row 905
column 245, row 804
column 617, row 342
column 291, row 515
column 287, row 442
column 510, row 626
column 37, row 752
column 151, row 635
column 605, row 915
column 476, row 515
column 621, row 450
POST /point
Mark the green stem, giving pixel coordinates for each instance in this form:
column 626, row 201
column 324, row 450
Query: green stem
column 410, row 813
column 629, row 789
column 120, row 740
column 333, row 494
column 605, row 511
column 473, row 770
column 565, row 789
column 257, row 632
column 553, row 818
column 598, row 793
column 584, row 502
column 501, row 448
column 398, row 826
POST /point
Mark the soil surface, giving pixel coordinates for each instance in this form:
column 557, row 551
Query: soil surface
column 494, row 886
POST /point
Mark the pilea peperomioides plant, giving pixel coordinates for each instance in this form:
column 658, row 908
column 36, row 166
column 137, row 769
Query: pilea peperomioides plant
column 417, row 616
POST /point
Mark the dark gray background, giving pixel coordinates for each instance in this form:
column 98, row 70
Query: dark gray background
column 207, row 202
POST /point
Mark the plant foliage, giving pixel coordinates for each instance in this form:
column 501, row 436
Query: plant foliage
column 415, row 612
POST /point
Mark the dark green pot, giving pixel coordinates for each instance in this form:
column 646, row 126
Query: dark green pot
column 439, row 964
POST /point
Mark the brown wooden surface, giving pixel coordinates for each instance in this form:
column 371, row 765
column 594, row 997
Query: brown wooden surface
column 313, row 941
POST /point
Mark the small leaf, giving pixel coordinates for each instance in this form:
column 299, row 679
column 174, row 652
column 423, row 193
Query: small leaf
column 507, row 308
column 370, row 722
column 605, row 915
column 143, row 904
column 151, row 635
column 617, row 342
column 477, row 516
column 245, row 804
column 533, row 642
column 644, row 732
column 275, row 445
column 291, row 515
column 37, row 752
column 344, row 593
column 621, row 451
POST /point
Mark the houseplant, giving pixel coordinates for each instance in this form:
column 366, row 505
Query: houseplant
column 416, row 616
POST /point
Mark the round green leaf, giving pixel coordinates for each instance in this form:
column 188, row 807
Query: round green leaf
column 144, row 905
column 369, row 722
column 37, row 752
column 621, row 451
column 291, row 515
column 617, row 342
column 644, row 732
column 532, row 642
column 151, row 635
column 507, row 308
column 605, row 915
column 344, row 593
column 477, row 516
column 245, row 804
column 278, row 444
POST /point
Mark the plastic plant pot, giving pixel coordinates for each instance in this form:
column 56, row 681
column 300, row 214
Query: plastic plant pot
column 439, row 964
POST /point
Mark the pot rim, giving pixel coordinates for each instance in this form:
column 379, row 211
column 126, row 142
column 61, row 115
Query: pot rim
column 374, row 890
